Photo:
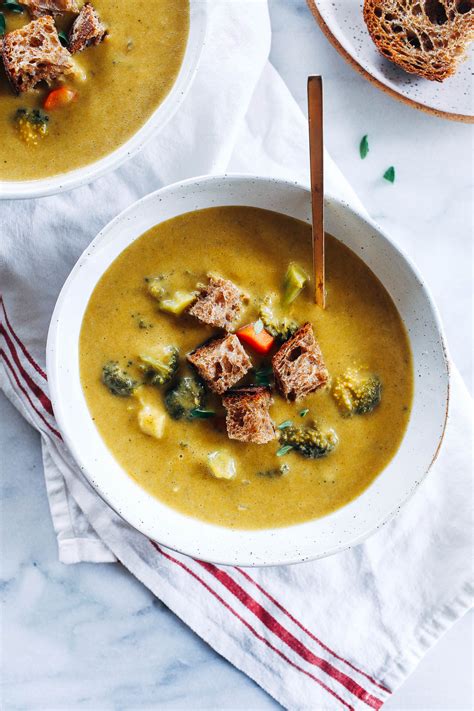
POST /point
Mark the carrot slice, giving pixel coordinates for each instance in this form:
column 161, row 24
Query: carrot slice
column 260, row 340
column 57, row 98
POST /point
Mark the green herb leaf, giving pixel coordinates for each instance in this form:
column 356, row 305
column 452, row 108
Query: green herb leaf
column 202, row 414
column 12, row 6
column 304, row 412
column 285, row 424
column 284, row 450
column 258, row 326
column 364, row 147
column 63, row 38
column 390, row 174
column 3, row 24
column 262, row 376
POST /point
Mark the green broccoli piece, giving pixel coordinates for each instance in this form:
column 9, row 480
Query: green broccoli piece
column 182, row 400
column 311, row 442
column 117, row 380
column 357, row 392
column 278, row 325
column 295, row 280
column 275, row 472
column 175, row 303
column 32, row 125
column 162, row 369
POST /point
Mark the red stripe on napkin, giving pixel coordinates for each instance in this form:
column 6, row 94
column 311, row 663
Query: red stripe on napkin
column 20, row 343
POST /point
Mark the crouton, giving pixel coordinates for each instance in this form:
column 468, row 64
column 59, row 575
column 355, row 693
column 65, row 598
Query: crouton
column 221, row 362
column 298, row 365
column 87, row 30
column 38, row 8
column 34, row 53
column 248, row 419
column 218, row 304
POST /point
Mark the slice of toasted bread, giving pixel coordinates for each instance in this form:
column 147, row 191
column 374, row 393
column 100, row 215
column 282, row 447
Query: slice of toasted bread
column 34, row 53
column 221, row 363
column 38, row 8
column 299, row 366
column 87, row 30
column 424, row 37
column 248, row 419
column 218, row 304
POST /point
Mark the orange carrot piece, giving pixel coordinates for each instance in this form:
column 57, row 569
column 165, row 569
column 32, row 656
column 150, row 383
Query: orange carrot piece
column 57, row 98
column 261, row 341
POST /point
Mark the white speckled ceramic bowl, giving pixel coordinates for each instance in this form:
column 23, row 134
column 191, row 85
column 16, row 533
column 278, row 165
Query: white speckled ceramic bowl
column 344, row 26
column 319, row 537
column 16, row 189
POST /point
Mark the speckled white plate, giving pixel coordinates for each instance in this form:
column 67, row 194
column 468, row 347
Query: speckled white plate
column 319, row 537
column 344, row 26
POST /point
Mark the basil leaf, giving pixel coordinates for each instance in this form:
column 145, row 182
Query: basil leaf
column 3, row 24
column 390, row 174
column 262, row 376
column 364, row 147
column 12, row 6
column 284, row 450
column 284, row 425
column 201, row 414
column 63, row 38
column 258, row 326
column 304, row 412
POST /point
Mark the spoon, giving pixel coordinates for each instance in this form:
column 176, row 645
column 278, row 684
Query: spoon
column 316, row 157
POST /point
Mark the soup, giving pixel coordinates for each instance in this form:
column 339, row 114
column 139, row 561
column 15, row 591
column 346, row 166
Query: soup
column 271, row 484
column 115, row 88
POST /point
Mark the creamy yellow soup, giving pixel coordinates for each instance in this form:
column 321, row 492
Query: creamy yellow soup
column 119, row 84
column 360, row 326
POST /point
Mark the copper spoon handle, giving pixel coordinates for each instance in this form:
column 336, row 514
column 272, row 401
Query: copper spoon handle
column 316, row 156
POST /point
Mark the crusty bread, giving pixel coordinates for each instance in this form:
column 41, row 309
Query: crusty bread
column 38, row 8
column 248, row 419
column 221, row 362
column 424, row 37
column 87, row 30
column 34, row 53
column 299, row 366
column 218, row 304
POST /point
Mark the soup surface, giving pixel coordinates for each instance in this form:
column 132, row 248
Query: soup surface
column 251, row 247
column 119, row 85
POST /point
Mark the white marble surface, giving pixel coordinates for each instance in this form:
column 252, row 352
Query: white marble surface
column 91, row 637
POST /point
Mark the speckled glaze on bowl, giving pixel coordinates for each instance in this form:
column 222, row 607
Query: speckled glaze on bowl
column 319, row 537
column 21, row 189
column 344, row 26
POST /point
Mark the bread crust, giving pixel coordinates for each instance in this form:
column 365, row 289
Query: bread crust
column 218, row 304
column 38, row 8
column 248, row 418
column 299, row 366
column 87, row 30
column 423, row 37
column 221, row 362
column 34, row 53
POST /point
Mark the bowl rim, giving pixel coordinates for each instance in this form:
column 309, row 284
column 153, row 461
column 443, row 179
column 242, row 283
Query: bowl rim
column 132, row 520
column 163, row 113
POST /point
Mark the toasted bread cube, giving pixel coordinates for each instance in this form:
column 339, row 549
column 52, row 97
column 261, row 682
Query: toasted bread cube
column 87, row 30
column 299, row 366
column 37, row 8
column 221, row 362
column 248, row 418
column 34, row 53
column 218, row 303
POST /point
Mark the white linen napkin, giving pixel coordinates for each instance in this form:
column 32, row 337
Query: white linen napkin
column 339, row 632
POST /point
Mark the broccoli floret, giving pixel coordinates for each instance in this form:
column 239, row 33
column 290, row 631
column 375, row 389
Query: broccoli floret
column 275, row 472
column 117, row 380
column 160, row 370
column 295, row 279
column 310, row 442
column 174, row 303
column 31, row 125
column 278, row 325
column 357, row 392
column 184, row 398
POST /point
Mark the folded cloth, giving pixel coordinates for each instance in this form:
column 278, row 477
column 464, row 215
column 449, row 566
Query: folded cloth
column 340, row 632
